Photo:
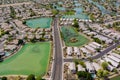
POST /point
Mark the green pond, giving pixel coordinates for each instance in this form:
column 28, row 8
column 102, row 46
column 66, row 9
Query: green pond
column 33, row 58
column 68, row 33
column 39, row 22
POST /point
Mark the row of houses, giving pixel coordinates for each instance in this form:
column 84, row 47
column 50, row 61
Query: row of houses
column 23, row 12
column 70, row 51
column 102, row 33
column 87, row 49
column 113, row 60
column 97, row 35
column 70, row 21
column 8, row 47
column 91, row 67
column 108, row 32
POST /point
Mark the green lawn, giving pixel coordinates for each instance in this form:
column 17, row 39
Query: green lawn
column 33, row 58
column 70, row 32
column 116, row 78
column 39, row 22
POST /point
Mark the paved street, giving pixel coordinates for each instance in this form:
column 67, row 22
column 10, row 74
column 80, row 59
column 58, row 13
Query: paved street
column 99, row 55
column 57, row 67
column 106, row 51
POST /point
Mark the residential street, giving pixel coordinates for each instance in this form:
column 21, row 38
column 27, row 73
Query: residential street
column 99, row 55
column 57, row 67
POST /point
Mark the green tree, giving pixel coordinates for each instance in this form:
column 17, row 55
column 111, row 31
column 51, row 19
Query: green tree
column 24, row 22
column 76, row 62
column 20, row 42
column 31, row 77
column 76, row 25
column 104, row 65
column 115, row 70
column 43, row 34
column 82, row 64
column 4, row 78
column 98, row 49
column 92, row 17
column 84, row 75
column 42, row 39
column 97, row 40
column 39, row 78
column 12, row 12
column 102, row 73
column 55, row 12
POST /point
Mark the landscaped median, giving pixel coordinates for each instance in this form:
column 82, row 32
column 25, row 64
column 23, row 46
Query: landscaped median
column 33, row 58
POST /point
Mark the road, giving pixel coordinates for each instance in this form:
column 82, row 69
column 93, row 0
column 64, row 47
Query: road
column 57, row 67
column 99, row 55
column 105, row 51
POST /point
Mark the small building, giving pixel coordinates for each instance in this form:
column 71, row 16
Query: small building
column 14, row 42
column 77, row 51
column 80, row 68
column 72, row 67
column 93, row 46
column 110, row 68
column 84, row 50
column 114, row 58
column 116, row 55
column 96, row 66
column 2, row 53
column 10, row 47
column 90, row 48
column 109, row 41
column 97, row 44
column 115, row 64
column 89, row 67
column 69, row 51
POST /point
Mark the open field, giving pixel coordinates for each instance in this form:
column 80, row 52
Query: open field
column 33, row 58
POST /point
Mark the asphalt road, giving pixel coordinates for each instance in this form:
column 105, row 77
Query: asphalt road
column 99, row 55
column 57, row 67
column 106, row 51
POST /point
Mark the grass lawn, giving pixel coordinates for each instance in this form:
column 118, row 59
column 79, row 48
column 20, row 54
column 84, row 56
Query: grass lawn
column 70, row 32
column 33, row 58
column 116, row 78
column 39, row 23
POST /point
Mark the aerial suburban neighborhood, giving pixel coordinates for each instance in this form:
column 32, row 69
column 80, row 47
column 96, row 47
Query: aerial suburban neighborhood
column 59, row 39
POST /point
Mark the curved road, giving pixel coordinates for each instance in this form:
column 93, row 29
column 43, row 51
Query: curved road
column 57, row 66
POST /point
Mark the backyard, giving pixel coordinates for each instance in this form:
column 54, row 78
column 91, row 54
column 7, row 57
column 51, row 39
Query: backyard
column 72, row 37
column 33, row 58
